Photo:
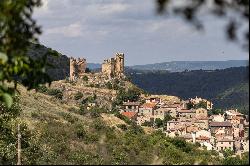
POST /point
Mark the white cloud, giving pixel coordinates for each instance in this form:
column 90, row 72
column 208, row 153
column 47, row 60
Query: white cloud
column 72, row 30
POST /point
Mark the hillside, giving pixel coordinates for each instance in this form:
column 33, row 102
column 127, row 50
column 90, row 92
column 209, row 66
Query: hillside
column 60, row 132
column 179, row 66
column 220, row 86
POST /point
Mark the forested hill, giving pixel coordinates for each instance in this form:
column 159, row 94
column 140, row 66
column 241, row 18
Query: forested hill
column 179, row 66
column 226, row 88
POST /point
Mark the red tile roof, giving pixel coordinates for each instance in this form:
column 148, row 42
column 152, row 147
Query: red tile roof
column 202, row 138
column 225, row 140
column 149, row 105
column 220, row 124
column 186, row 111
column 129, row 114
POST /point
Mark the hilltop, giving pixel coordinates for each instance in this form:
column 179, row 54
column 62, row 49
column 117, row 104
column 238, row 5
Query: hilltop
column 60, row 132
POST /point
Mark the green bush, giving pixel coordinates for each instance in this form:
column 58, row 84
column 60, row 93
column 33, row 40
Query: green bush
column 122, row 126
column 57, row 93
column 78, row 96
column 42, row 89
column 108, row 85
column 85, row 78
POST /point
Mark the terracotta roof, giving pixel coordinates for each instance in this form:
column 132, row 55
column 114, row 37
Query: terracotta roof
column 149, row 105
column 225, row 140
column 192, row 129
column 202, row 138
column 220, row 124
column 129, row 114
column 186, row 111
column 131, row 103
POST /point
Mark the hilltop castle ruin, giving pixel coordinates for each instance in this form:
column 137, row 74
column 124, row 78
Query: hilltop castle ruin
column 77, row 67
column 114, row 67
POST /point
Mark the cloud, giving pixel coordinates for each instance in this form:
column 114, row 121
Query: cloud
column 98, row 28
column 72, row 30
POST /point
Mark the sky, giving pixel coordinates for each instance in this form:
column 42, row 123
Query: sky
column 97, row 29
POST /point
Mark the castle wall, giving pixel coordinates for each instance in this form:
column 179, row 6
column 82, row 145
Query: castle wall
column 77, row 67
column 114, row 66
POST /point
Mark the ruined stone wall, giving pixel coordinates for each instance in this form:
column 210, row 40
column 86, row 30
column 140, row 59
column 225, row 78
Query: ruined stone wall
column 119, row 64
column 77, row 67
column 115, row 66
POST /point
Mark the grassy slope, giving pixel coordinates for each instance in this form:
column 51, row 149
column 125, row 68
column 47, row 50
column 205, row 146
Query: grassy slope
column 68, row 138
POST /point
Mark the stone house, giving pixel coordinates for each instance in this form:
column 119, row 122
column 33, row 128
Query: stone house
column 192, row 129
column 171, row 110
column 153, row 100
column 231, row 113
column 202, row 123
column 227, row 126
column 203, row 133
column 147, row 109
column 218, row 118
column 186, row 114
column 224, row 143
column 172, row 124
column 200, row 113
column 131, row 106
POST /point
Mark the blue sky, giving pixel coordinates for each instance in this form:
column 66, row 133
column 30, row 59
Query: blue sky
column 97, row 29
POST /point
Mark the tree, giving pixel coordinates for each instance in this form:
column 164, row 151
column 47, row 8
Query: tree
column 190, row 11
column 17, row 31
column 158, row 122
column 167, row 118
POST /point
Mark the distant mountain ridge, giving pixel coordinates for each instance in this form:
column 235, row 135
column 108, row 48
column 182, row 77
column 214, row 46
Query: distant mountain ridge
column 179, row 66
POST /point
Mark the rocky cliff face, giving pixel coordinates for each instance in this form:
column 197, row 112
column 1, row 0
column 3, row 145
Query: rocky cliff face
column 60, row 69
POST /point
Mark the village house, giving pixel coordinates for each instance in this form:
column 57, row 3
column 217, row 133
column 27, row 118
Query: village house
column 196, row 100
column 227, row 126
column 225, row 143
column 232, row 113
column 201, row 113
column 147, row 109
column 153, row 100
column 201, row 123
column 186, row 114
column 131, row 106
column 218, row 118
column 171, row 110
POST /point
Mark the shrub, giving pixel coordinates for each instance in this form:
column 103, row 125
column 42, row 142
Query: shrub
column 55, row 92
column 78, row 96
column 85, row 78
column 108, row 85
column 69, row 117
column 122, row 126
column 148, row 123
column 80, row 132
column 42, row 89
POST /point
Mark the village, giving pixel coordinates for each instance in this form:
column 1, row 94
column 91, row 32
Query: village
column 192, row 119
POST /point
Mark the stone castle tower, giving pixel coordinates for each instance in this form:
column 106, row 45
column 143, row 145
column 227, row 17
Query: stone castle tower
column 77, row 67
column 114, row 67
